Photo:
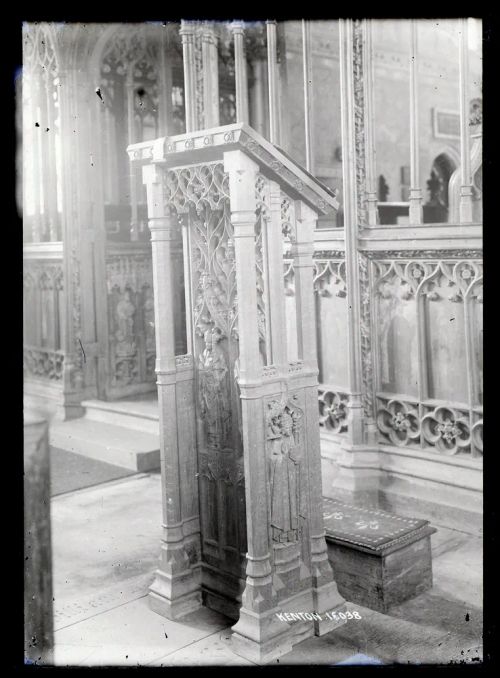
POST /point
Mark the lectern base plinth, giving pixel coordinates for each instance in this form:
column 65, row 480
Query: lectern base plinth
column 171, row 607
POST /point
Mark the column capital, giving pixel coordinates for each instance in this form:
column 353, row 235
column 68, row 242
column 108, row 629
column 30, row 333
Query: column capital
column 238, row 27
column 187, row 30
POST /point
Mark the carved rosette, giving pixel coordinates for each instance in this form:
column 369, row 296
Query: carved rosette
column 477, row 437
column 447, row 429
column 333, row 409
column 400, row 422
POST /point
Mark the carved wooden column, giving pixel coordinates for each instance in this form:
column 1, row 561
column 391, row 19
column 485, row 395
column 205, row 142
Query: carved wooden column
column 351, row 228
column 210, row 75
column 187, row 33
column 165, row 76
column 466, row 191
column 263, row 552
column 74, row 219
column 258, row 598
column 240, row 68
column 325, row 592
column 369, row 80
column 273, row 83
column 129, row 86
column 415, row 210
column 85, row 311
column 308, row 88
column 50, row 172
column 175, row 590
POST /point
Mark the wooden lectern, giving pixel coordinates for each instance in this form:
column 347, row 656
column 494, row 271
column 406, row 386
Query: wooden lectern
column 241, row 470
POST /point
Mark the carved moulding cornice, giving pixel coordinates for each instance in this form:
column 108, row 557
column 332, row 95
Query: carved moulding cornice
column 424, row 254
column 329, row 254
column 209, row 145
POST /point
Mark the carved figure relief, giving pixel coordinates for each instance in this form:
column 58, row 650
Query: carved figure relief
column 125, row 311
column 131, row 308
column 283, row 427
column 214, row 401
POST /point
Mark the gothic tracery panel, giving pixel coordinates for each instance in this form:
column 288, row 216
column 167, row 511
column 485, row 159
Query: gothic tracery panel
column 442, row 298
column 200, row 196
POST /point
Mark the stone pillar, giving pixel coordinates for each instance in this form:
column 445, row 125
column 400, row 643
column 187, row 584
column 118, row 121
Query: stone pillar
column 38, row 620
column 175, row 590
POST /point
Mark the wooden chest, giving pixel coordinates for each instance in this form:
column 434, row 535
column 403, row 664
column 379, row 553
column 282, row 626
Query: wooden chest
column 379, row 559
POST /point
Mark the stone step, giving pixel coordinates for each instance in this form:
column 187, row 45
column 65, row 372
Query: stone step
column 132, row 449
column 138, row 414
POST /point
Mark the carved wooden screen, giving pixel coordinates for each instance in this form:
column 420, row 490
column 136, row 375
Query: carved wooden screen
column 200, row 195
column 133, row 90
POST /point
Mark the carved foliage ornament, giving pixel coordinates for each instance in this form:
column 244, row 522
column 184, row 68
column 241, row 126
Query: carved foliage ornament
column 42, row 363
column 204, row 186
column 261, row 222
column 366, row 336
column 359, row 117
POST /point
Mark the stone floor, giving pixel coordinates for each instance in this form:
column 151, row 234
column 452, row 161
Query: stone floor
column 105, row 549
